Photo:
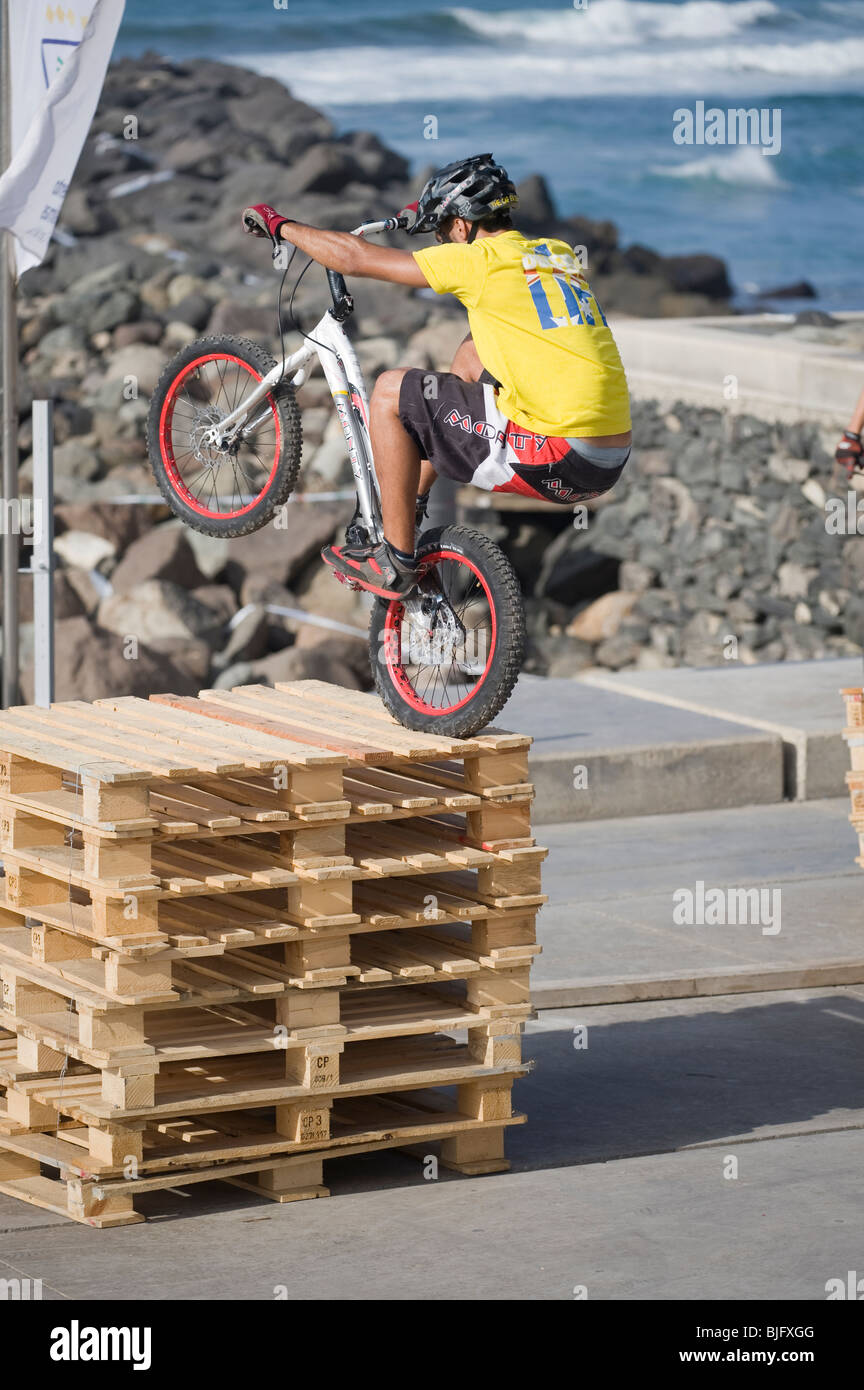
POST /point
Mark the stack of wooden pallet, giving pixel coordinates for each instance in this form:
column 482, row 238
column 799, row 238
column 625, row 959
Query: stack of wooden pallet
column 236, row 935
column 853, row 698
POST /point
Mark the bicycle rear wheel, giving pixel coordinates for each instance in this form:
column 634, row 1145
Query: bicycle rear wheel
column 447, row 661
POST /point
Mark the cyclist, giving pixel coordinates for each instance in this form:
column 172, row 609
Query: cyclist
column 537, row 400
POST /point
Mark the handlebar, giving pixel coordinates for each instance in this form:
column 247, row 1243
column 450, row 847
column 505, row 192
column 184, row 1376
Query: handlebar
column 343, row 304
column 389, row 224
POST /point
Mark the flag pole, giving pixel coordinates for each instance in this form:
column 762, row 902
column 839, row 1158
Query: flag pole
column 9, row 327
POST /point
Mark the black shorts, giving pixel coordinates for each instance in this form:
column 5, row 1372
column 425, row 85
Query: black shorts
column 458, row 427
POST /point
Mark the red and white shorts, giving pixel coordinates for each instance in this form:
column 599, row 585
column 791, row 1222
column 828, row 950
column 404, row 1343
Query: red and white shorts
column 458, row 427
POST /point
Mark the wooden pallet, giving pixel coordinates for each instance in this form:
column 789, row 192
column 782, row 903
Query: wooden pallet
column 54, row 1011
column 853, row 733
column 236, row 925
column 853, row 698
column 253, row 1150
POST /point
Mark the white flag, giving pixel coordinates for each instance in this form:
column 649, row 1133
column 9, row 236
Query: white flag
column 57, row 57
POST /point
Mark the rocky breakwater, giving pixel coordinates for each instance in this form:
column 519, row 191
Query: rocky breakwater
column 149, row 255
column 725, row 541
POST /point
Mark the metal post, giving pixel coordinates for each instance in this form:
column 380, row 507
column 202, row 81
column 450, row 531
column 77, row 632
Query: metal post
column 42, row 559
column 9, row 332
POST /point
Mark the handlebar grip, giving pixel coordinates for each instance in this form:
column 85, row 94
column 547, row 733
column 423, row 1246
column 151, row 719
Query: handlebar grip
column 336, row 281
column 343, row 304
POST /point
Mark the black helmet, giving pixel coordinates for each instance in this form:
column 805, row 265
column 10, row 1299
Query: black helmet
column 471, row 188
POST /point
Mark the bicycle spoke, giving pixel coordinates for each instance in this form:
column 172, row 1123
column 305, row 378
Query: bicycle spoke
column 442, row 669
column 211, row 479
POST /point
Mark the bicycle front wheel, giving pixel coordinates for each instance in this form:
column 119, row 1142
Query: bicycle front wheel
column 235, row 489
column 449, row 669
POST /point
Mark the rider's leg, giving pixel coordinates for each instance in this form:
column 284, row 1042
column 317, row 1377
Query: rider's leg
column 466, row 364
column 397, row 458
column 427, row 477
column 397, row 461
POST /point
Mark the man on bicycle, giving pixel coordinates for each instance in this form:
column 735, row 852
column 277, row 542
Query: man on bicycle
column 536, row 401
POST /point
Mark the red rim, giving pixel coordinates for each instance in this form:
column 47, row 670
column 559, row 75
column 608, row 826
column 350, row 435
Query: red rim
column 166, row 444
column 393, row 642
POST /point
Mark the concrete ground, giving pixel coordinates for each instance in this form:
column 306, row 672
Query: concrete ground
column 609, row 921
column 639, row 1116
column 618, row 1184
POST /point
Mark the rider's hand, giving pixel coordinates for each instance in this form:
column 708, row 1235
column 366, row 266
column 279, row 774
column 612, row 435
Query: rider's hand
column 848, row 452
column 262, row 220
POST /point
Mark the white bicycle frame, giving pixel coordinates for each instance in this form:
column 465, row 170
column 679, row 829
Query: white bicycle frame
column 329, row 342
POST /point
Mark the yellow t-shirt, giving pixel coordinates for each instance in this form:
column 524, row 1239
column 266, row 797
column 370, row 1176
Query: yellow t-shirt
column 538, row 329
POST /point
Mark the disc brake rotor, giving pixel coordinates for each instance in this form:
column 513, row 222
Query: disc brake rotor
column 435, row 634
column 203, row 451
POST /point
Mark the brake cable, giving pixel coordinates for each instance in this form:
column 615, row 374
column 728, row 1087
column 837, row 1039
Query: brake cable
column 294, row 322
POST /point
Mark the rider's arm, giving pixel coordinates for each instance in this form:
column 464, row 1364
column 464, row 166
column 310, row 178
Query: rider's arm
column 353, row 256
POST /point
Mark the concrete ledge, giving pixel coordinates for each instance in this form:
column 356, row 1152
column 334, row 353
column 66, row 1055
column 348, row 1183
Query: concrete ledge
column 600, row 753
column 797, row 700
column 776, row 377
column 685, row 985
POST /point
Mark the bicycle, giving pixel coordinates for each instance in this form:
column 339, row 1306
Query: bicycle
column 224, row 435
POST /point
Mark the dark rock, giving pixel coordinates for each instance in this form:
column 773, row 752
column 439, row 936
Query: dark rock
column 156, row 611
column 327, row 662
column 698, row 274
column 642, row 260
column 162, row 553
column 122, row 525
column 89, row 664
column 195, row 309
column 288, row 126
column 142, row 331
column 598, row 237
column 281, row 553
column 219, row 597
column 536, row 208
column 801, row 289
column 555, row 654
column 325, row 168
column 246, row 641
column 572, row 572
column 617, row 652
column 190, row 657
column 195, row 155
column 381, row 166
column 237, row 319
column 262, row 588
column 817, row 318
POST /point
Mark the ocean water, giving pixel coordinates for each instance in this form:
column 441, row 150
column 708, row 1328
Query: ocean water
column 586, row 94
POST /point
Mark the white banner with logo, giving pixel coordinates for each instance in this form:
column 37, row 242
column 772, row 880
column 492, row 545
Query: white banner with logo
column 58, row 57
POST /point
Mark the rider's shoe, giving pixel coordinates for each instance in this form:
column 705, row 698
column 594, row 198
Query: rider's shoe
column 372, row 567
